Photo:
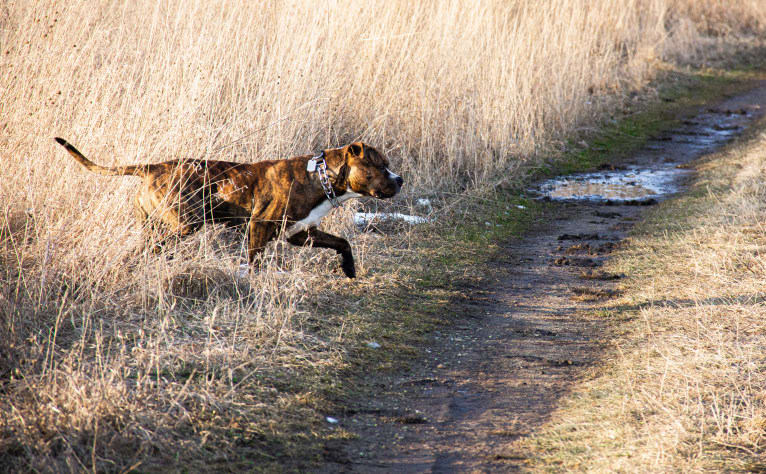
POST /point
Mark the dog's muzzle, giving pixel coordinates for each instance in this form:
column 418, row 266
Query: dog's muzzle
column 393, row 185
column 396, row 179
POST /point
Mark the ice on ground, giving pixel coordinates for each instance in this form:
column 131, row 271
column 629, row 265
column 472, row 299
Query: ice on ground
column 243, row 270
column 424, row 204
column 364, row 218
column 616, row 185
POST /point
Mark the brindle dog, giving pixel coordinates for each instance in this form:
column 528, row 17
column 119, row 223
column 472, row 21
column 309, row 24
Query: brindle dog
column 180, row 196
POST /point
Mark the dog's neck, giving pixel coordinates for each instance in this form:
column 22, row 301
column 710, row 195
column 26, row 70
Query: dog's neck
column 337, row 170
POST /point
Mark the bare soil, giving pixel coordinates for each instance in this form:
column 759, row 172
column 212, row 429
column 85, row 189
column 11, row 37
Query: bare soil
column 526, row 338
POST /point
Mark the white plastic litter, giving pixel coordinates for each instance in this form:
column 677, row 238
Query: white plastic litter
column 373, row 345
column 331, row 420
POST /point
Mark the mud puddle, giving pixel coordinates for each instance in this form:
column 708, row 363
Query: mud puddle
column 628, row 185
column 658, row 171
column 531, row 327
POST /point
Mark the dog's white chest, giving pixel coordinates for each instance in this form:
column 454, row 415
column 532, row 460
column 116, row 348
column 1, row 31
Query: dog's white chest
column 317, row 214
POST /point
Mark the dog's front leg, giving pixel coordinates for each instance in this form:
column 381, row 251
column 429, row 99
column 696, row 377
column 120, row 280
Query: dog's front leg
column 317, row 238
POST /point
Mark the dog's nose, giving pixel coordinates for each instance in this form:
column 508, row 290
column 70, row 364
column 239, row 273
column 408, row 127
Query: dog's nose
column 399, row 181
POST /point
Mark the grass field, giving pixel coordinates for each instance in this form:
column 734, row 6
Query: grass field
column 112, row 359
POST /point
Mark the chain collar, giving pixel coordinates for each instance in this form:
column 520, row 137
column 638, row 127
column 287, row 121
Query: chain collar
column 319, row 164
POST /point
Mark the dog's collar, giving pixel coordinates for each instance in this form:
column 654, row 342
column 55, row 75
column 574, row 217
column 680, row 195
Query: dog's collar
column 318, row 164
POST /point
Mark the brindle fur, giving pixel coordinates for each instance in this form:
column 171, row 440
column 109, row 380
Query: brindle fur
column 180, row 196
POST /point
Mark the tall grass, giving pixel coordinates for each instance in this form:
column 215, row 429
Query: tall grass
column 457, row 94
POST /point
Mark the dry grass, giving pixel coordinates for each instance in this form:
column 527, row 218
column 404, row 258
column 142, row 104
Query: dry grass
column 111, row 358
column 685, row 392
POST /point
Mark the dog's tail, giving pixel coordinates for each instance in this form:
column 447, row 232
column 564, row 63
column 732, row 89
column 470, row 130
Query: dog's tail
column 90, row 166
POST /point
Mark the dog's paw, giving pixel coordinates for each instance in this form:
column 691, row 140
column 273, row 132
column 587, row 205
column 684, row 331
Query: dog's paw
column 348, row 269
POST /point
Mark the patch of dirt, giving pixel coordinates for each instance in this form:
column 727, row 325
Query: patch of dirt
column 600, row 275
column 577, row 262
column 494, row 381
column 524, row 342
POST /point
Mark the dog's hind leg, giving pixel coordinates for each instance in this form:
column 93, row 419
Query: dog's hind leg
column 317, row 238
column 263, row 228
column 153, row 232
column 164, row 218
column 149, row 229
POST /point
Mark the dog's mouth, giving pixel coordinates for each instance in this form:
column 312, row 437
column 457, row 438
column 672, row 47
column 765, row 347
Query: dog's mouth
column 385, row 193
column 388, row 189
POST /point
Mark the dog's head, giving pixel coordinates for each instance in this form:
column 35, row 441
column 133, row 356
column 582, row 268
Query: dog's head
column 367, row 172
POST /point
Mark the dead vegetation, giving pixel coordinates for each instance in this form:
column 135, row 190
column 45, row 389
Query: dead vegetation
column 112, row 359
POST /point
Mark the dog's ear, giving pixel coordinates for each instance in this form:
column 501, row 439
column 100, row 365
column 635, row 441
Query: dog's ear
column 356, row 149
column 342, row 174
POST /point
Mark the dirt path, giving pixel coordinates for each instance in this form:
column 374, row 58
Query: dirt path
column 529, row 336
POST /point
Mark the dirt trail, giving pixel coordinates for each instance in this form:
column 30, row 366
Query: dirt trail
column 499, row 375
